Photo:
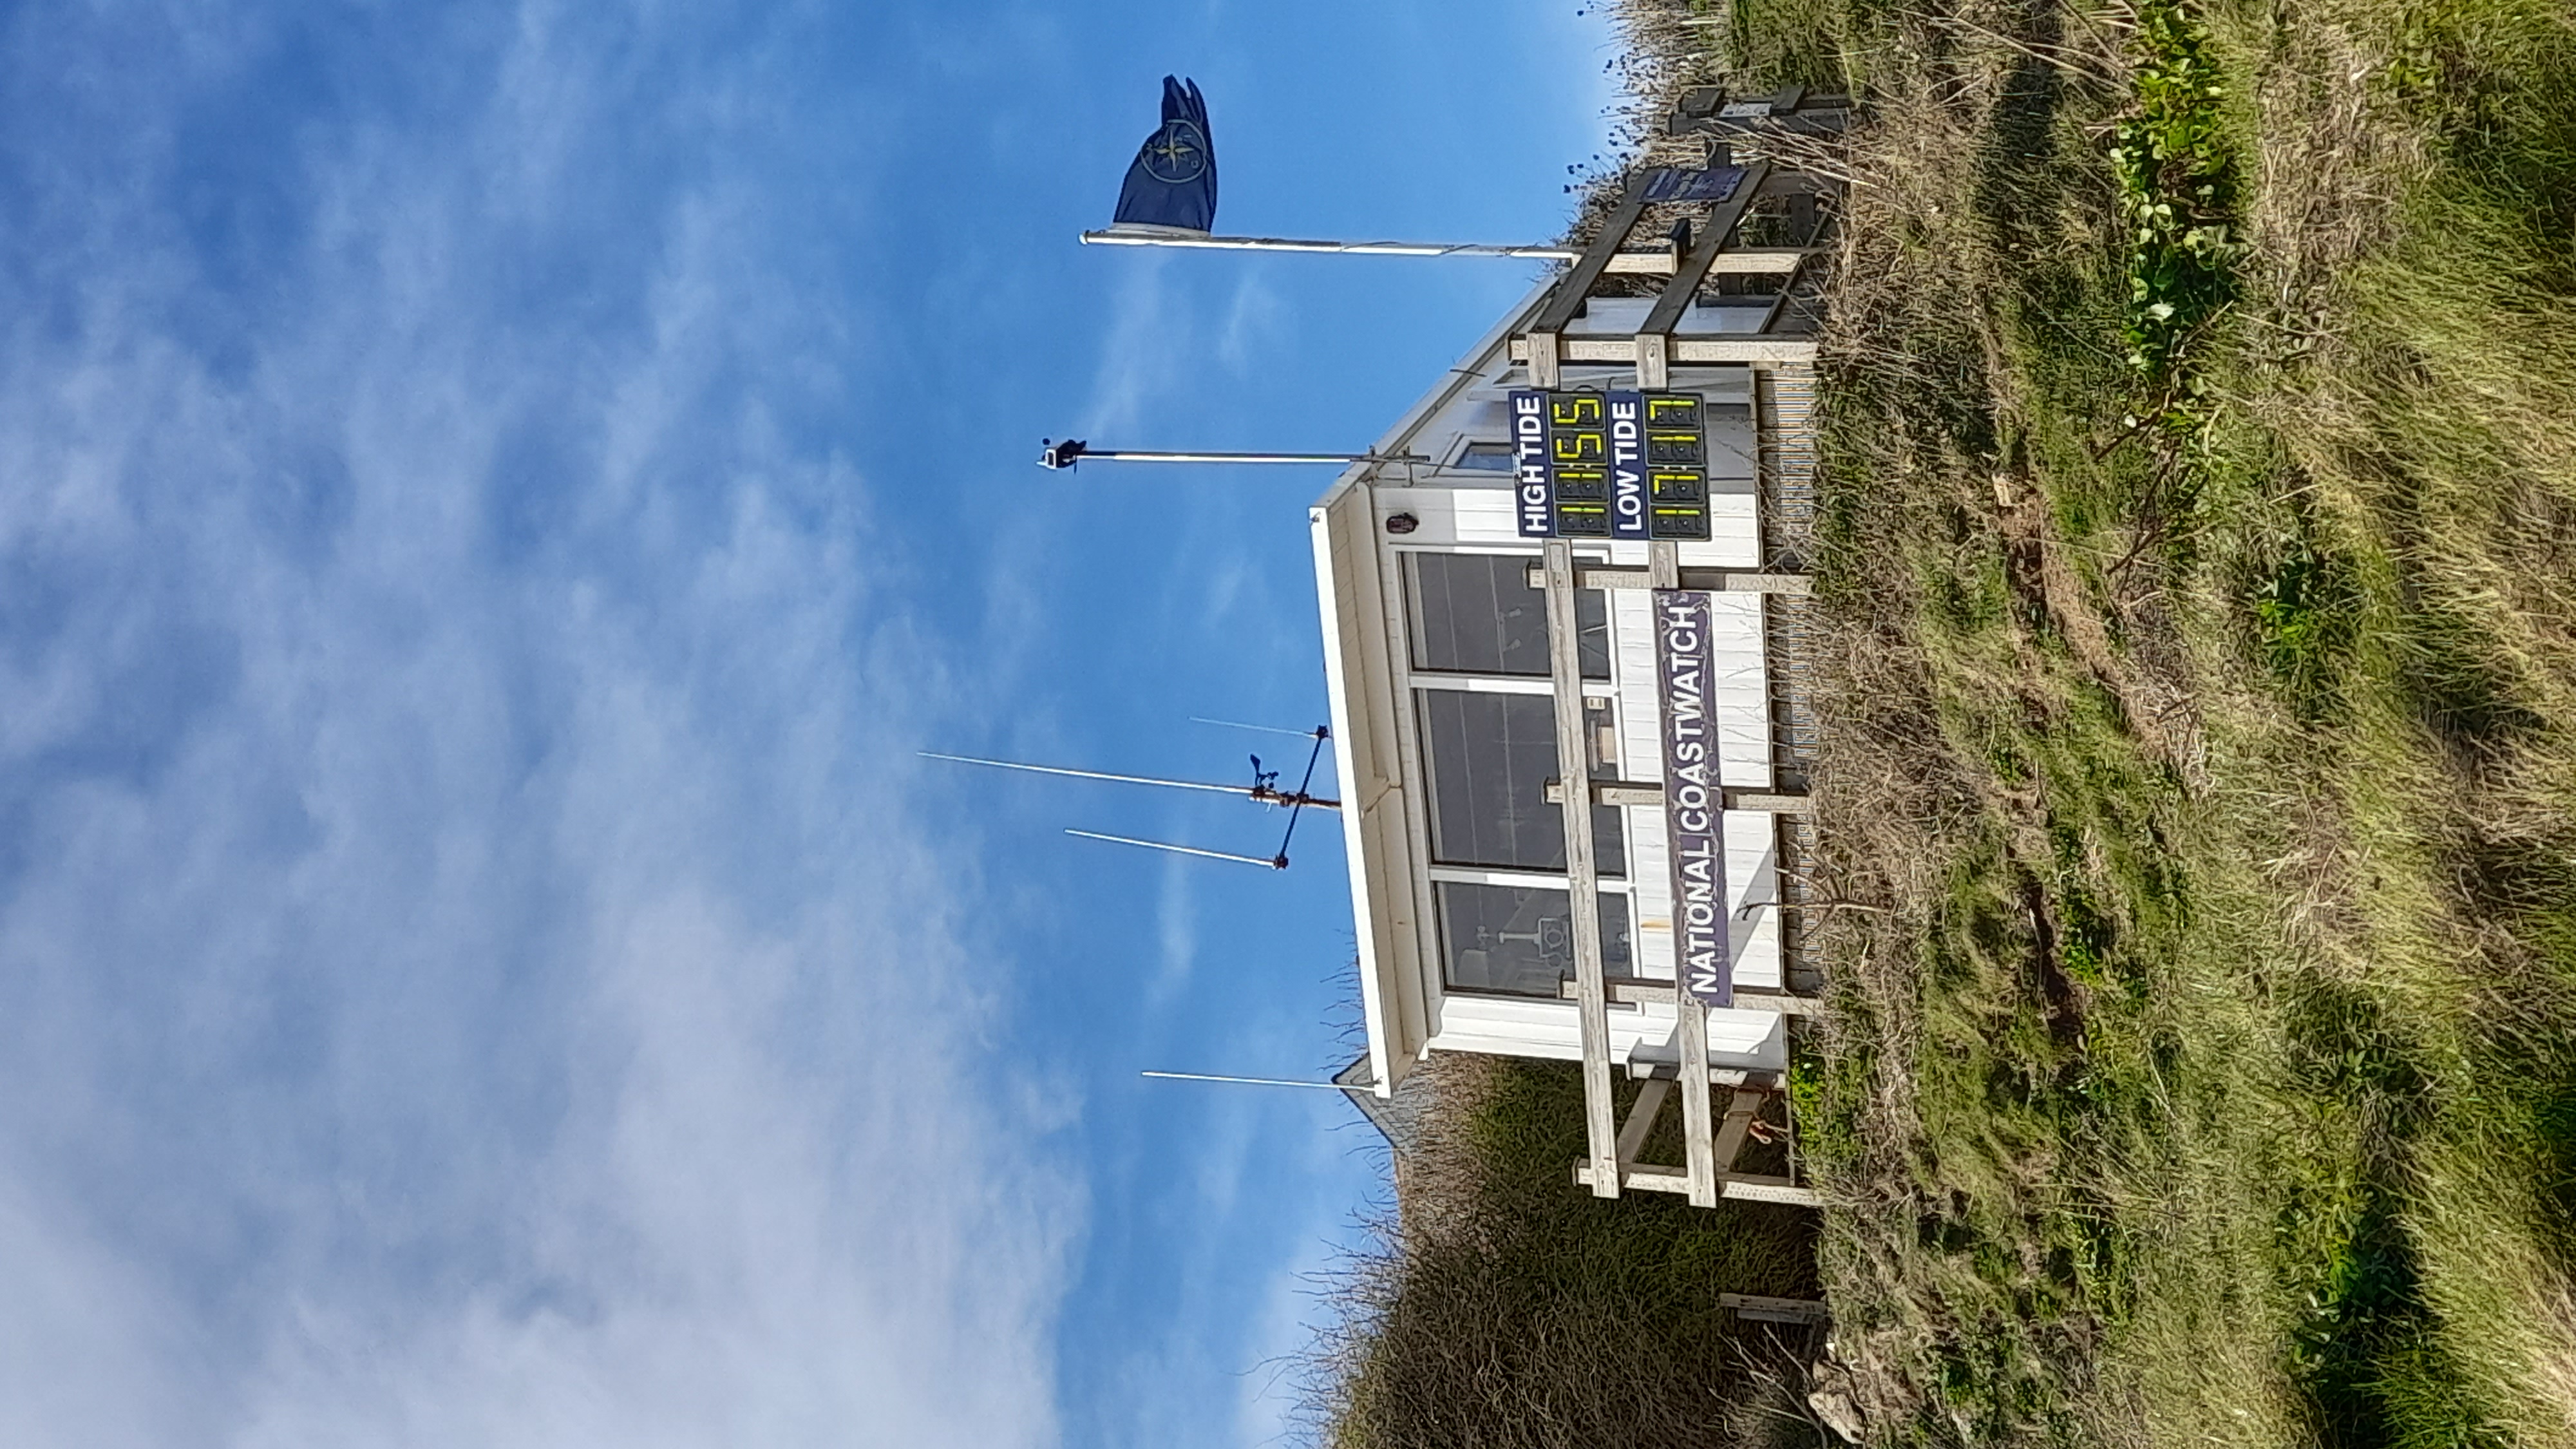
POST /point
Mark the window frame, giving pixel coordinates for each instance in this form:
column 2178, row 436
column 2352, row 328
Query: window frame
column 1468, row 447
column 1521, row 880
column 1404, row 614
column 1416, row 763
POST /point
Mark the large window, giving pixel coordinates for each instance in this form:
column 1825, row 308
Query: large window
column 1490, row 758
column 1486, row 721
column 1476, row 613
column 1518, row 940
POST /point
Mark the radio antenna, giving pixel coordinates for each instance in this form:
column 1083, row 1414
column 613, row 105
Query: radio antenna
column 1301, row 797
column 1253, row 792
column 1277, row 862
column 1263, row 790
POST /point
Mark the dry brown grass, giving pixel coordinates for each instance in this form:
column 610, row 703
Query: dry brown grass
column 2203, row 1065
column 1505, row 1309
column 2217, row 952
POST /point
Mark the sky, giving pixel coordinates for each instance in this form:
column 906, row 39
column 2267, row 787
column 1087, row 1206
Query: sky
column 493, row 499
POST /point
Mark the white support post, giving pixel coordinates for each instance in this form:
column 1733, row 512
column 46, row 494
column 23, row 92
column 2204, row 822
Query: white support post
column 1654, row 362
column 1582, row 889
column 1641, row 1119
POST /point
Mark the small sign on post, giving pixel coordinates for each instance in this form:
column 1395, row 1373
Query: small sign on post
column 1685, row 659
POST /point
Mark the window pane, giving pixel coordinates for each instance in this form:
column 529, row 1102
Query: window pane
column 1476, row 613
column 1490, row 758
column 1518, row 940
column 1487, row 458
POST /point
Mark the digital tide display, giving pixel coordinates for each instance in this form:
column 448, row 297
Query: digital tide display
column 1620, row 465
column 1676, row 466
column 1578, row 461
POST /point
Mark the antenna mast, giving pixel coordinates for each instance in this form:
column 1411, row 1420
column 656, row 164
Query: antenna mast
column 1279, row 862
column 1256, row 791
column 1263, row 790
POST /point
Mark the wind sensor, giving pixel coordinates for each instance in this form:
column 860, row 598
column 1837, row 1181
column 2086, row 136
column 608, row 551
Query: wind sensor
column 1264, row 790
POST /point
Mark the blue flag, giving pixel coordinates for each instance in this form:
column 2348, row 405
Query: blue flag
column 1173, row 179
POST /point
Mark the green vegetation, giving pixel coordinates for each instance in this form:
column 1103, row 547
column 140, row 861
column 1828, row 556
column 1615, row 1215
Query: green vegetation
column 2207, row 1069
column 2198, row 656
column 2175, row 168
column 1522, row 1311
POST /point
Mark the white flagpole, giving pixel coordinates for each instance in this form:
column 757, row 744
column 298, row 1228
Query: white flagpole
column 1240, row 725
column 1118, row 237
column 1052, row 454
column 1251, row 1081
column 1654, row 261
column 1157, row 455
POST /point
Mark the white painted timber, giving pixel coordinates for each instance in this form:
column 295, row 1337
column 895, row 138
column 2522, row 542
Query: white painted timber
column 1533, row 1027
column 1742, row 1188
column 1376, row 843
column 1584, row 919
column 1749, row 1189
column 1686, row 349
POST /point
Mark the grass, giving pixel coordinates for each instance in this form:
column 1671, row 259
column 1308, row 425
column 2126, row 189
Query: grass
column 1511, row 1309
column 2198, row 667
column 2200, row 486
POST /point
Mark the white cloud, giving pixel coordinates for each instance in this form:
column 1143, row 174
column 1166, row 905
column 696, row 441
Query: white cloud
column 1177, row 929
column 1266, row 1410
column 81, row 1338
column 1254, row 318
column 1140, row 362
column 470, row 969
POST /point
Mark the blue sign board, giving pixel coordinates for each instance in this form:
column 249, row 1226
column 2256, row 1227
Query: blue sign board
column 1627, row 465
column 1533, row 486
column 1621, row 465
column 1694, row 799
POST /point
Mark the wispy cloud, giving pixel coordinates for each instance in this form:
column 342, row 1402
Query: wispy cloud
column 1282, row 1333
column 1141, row 360
column 1177, row 929
column 468, row 974
column 1254, row 318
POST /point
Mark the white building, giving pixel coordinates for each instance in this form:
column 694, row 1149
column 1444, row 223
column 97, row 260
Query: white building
column 1449, row 682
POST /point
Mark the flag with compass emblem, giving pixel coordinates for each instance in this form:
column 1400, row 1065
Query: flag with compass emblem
column 1173, row 180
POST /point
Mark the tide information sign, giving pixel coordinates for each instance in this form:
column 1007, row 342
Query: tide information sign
column 1624, row 465
column 1677, row 465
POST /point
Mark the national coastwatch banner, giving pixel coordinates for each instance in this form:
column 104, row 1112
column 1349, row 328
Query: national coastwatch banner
column 1694, row 801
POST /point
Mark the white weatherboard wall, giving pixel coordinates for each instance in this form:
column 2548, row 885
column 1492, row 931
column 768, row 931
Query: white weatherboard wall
column 1360, row 580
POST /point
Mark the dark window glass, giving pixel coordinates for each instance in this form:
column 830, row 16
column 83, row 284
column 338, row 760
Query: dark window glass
column 1518, row 939
column 1476, row 613
column 1491, row 756
column 1486, row 458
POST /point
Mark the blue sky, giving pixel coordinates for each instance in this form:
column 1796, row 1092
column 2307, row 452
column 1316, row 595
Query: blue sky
column 491, row 501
